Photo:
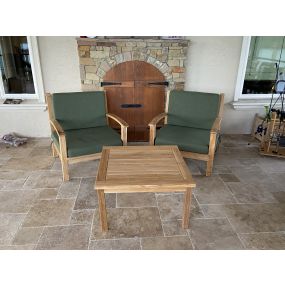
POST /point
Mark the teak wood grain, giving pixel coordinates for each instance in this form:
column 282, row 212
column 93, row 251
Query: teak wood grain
column 132, row 82
column 143, row 169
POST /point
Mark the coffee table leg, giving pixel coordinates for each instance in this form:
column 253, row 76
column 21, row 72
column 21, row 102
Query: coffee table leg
column 186, row 208
column 102, row 210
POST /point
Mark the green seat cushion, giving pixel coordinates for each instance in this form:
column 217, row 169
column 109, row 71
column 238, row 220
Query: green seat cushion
column 187, row 139
column 88, row 141
column 193, row 109
column 80, row 110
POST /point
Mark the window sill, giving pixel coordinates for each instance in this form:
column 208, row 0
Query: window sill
column 251, row 104
column 25, row 105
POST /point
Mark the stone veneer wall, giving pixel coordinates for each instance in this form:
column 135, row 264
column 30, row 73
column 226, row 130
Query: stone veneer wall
column 97, row 56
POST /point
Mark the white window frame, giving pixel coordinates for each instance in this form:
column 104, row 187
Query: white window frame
column 241, row 76
column 37, row 76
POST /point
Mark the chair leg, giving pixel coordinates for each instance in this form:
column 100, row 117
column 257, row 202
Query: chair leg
column 54, row 152
column 152, row 134
column 212, row 145
column 64, row 167
column 124, row 135
column 209, row 169
column 63, row 157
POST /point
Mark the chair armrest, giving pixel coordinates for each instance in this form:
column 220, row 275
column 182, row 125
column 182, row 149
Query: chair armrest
column 61, row 137
column 217, row 125
column 152, row 127
column 124, row 126
column 57, row 127
column 156, row 119
column 117, row 119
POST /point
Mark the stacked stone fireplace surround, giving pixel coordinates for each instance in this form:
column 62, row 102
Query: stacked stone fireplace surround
column 97, row 56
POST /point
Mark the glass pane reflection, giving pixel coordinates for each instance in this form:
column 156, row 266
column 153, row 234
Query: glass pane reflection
column 15, row 65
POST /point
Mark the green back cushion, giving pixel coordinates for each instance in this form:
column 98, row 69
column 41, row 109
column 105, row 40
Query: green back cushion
column 80, row 110
column 193, row 109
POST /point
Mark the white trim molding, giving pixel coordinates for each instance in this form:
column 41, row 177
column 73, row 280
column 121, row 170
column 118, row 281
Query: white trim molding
column 36, row 69
column 37, row 78
column 242, row 67
column 27, row 106
column 252, row 104
column 248, row 101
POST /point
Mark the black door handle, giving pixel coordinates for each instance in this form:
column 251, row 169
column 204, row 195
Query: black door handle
column 131, row 105
column 106, row 83
column 162, row 83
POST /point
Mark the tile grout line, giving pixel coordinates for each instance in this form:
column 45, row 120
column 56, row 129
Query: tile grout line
column 234, row 229
column 243, row 244
column 142, row 207
column 257, row 233
column 189, row 236
column 116, row 238
column 19, row 245
column 92, row 224
column 91, row 230
column 159, row 215
column 203, row 218
column 36, row 245
column 54, row 226
column 169, row 193
column 251, row 203
column 18, row 228
column 199, row 205
column 177, row 235
column 229, row 190
column 79, row 185
column 59, row 190
column 25, row 182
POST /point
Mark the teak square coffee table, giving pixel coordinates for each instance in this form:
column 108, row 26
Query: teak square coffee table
column 139, row 169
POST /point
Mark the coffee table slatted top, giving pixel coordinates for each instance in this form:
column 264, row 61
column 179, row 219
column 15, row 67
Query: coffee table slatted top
column 143, row 168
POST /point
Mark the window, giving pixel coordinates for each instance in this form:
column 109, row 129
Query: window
column 261, row 59
column 20, row 74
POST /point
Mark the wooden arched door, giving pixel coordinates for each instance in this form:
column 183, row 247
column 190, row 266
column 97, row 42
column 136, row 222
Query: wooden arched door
column 136, row 92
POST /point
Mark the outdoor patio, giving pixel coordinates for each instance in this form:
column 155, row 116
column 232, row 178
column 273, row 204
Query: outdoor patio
column 241, row 206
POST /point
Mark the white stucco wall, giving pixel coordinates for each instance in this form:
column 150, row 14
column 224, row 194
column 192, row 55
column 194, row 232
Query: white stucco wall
column 212, row 67
column 30, row 123
column 60, row 64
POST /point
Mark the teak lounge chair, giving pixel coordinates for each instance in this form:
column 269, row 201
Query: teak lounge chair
column 79, row 127
column 192, row 122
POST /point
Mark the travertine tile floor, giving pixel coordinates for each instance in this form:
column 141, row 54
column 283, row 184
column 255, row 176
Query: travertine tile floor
column 241, row 206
